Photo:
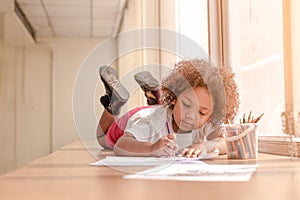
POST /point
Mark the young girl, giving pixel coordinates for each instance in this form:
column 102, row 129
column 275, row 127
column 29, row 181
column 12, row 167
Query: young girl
column 192, row 108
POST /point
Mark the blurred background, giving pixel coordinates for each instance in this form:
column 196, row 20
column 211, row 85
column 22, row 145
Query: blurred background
column 43, row 44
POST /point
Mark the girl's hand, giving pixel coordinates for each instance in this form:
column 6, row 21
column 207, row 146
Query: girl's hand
column 193, row 151
column 165, row 146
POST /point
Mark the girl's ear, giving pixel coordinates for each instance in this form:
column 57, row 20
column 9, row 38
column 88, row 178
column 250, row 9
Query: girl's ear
column 173, row 102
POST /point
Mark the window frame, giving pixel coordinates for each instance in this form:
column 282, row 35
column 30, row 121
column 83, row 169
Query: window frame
column 219, row 50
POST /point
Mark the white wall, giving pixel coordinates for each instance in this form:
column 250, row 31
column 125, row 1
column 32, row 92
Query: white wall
column 33, row 103
column 7, row 106
column 25, row 96
column 36, row 88
column 36, row 85
column 36, row 82
column 68, row 55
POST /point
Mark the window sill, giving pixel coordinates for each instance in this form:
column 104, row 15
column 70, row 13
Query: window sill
column 278, row 145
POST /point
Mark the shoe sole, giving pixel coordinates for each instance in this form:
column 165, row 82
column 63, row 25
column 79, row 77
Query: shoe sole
column 110, row 78
column 146, row 80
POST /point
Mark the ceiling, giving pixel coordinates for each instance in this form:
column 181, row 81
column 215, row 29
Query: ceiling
column 73, row 18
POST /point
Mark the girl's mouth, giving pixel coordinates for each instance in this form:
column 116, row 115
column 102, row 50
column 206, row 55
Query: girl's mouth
column 187, row 125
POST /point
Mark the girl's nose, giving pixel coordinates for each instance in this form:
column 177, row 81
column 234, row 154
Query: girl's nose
column 190, row 115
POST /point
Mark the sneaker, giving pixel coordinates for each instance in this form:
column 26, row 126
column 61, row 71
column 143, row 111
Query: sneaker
column 146, row 81
column 116, row 94
column 149, row 85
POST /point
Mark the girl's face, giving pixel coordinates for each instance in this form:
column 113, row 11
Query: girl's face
column 192, row 109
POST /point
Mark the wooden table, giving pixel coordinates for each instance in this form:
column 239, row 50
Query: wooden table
column 66, row 174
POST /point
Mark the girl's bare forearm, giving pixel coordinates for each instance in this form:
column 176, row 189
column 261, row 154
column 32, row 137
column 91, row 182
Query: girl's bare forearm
column 128, row 146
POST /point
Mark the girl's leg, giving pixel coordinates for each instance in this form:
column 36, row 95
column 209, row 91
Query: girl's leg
column 116, row 96
column 104, row 123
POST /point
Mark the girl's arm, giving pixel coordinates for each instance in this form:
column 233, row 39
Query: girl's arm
column 127, row 145
column 221, row 145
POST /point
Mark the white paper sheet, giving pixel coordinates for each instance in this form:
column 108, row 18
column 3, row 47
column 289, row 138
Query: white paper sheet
column 192, row 172
column 143, row 161
column 149, row 161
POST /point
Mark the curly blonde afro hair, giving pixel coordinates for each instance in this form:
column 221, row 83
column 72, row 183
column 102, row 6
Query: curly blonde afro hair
column 194, row 73
column 232, row 94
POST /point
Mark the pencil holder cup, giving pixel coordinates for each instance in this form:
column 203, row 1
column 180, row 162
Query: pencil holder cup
column 241, row 140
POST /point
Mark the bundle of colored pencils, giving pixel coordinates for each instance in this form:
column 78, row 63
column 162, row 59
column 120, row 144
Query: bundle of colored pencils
column 250, row 118
column 242, row 138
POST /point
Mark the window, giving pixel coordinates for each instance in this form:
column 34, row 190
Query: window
column 259, row 40
column 256, row 49
column 262, row 42
column 255, row 42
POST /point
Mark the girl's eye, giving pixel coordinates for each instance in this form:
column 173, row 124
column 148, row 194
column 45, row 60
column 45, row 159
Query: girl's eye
column 201, row 113
column 185, row 104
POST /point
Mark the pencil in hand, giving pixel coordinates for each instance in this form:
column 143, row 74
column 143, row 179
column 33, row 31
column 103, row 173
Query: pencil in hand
column 168, row 127
column 169, row 132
